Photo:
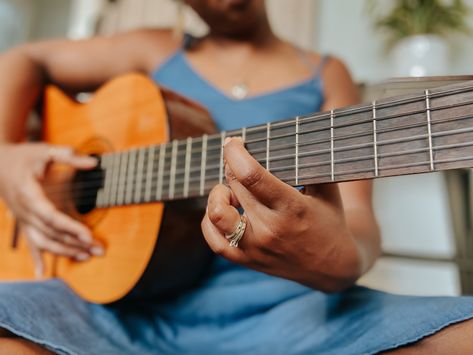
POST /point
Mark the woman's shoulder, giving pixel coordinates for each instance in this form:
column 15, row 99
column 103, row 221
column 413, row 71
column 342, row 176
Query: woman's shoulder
column 327, row 64
column 339, row 88
column 154, row 45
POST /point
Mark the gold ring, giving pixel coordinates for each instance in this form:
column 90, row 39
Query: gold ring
column 235, row 237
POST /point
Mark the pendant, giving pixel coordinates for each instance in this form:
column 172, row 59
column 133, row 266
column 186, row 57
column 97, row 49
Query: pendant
column 240, row 91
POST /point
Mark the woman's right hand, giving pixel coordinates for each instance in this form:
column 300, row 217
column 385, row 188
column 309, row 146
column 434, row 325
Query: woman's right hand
column 23, row 167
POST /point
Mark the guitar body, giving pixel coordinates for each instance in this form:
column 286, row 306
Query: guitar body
column 127, row 112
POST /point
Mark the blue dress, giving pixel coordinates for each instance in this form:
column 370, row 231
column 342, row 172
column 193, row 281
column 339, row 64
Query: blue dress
column 236, row 310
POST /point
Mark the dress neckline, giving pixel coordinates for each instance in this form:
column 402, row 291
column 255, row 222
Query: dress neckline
column 220, row 92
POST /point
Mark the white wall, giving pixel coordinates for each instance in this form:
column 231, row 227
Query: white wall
column 34, row 19
column 51, row 18
column 413, row 211
column 15, row 22
column 345, row 30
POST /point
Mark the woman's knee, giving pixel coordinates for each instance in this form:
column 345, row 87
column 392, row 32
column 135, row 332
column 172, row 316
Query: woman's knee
column 454, row 339
column 11, row 344
column 21, row 346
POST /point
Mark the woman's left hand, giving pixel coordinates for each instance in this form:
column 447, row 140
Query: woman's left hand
column 301, row 237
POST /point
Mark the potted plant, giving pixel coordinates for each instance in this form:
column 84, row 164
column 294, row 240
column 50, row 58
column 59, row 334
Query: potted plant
column 416, row 32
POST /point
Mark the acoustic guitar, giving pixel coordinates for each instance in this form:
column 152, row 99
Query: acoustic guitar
column 147, row 160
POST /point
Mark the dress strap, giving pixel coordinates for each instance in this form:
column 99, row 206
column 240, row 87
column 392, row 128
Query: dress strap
column 315, row 69
column 320, row 68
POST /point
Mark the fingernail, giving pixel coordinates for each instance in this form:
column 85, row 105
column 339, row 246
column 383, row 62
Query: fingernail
column 229, row 173
column 229, row 139
column 91, row 160
column 97, row 251
column 82, row 257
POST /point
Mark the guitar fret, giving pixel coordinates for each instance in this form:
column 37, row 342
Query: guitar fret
column 172, row 180
column 268, row 139
column 187, row 167
column 99, row 201
column 162, row 157
column 139, row 175
column 99, row 198
column 203, row 164
column 243, row 134
column 297, row 151
column 220, row 174
column 375, row 141
column 115, row 179
column 332, row 148
column 122, row 178
column 429, row 128
column 108, row 168
column 130, row 179
column 149, row 174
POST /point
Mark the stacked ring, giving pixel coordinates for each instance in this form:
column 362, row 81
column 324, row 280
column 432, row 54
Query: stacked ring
column 236, row 236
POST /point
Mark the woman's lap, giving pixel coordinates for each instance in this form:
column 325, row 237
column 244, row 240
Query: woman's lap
column 296, row 320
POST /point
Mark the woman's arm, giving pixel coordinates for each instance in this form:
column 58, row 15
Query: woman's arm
column 340, row 91
column 325, row 239
column 74, row 66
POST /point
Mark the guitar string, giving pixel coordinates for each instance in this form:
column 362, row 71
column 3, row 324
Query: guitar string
column 341, row 113
column 291, row 168
column 325, row 141
column 340, row 161
column 122, row 181
column 98, row 176
column 339, row 175
column 345, row 125
column 328, row 128
column 390, row 103
column 217, row 149
column 318, row 152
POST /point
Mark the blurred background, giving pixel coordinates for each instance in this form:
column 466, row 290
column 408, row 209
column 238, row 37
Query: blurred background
column 425, row 220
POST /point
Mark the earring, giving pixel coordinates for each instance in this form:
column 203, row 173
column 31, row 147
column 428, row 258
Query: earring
column 180, row 20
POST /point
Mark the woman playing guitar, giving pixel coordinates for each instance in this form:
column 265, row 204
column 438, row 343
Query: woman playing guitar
column 286, row 284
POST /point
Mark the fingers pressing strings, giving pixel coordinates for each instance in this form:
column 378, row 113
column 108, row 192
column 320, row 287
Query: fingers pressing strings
column 65, row 155
column 222, row 209
column 244, row 170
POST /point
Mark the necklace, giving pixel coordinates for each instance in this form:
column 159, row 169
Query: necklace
column 240, row 91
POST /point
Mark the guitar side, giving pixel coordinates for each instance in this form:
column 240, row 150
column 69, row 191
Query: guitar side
column 127, row 112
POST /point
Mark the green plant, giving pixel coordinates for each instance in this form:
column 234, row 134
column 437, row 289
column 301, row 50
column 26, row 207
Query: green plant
column 416, row 17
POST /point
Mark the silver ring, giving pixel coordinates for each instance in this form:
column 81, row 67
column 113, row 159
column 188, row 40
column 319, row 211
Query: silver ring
column 237, row 234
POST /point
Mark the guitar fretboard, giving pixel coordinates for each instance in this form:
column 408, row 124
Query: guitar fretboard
column 420, row 133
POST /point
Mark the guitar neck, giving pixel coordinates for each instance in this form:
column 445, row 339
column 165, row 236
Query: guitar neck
column 419, row 133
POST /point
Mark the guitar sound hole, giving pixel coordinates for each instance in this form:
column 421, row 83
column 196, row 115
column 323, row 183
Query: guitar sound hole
column 85, row 187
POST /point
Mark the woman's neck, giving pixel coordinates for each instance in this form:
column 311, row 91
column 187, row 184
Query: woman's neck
column 260, row 35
